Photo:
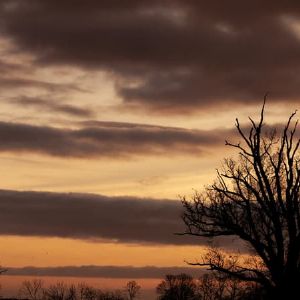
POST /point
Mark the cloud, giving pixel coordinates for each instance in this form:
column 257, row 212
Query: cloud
column 92, row 217
column 8, row 67
column 98, row 218
column 104, row 271
column 12, row 82
column 168, row 56
column 107, row 139
column 53, row 106
column 114, row 140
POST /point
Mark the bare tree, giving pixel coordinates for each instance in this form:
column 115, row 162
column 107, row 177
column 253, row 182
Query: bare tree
column 132, row 289
column 115, row 295
column 256, row 198
column 211, row 288
column 86, row 292
column 71, row 293
column 177, row 287
column 32, row 289
column 56, row 291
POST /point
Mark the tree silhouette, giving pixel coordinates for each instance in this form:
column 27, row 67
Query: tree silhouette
column 209, row 286
column 256, row 198
column 177, row 287
column 132, row 289
column 32, row 289
column 86, row 292
column 58, row 291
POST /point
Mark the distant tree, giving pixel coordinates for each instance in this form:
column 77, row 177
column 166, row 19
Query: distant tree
column 256, row 198
column 86, row 292
column 116, row 295
column 132, row 289
column 56, row 291
column 210, row 288
column 32, row 289
column 71, row 293
column 177, row 287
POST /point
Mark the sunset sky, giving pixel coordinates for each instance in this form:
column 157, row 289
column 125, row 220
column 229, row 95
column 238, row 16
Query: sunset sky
column 110, row 110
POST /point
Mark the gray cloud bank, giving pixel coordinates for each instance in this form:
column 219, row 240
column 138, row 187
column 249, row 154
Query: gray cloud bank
column 92, row 217
column 184, row 55
column 103, row 271
column 107, row 139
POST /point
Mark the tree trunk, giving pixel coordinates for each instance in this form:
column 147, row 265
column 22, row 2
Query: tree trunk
column 288, row 289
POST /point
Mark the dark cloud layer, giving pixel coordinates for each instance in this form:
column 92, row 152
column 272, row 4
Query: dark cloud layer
column 107, row 139
column 13, row 82
column 104, row 271
column 53, row 106
column 183, row 54
column 92, row 217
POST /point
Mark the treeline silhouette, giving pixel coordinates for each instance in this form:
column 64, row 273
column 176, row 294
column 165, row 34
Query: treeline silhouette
column 210, row 286
column 35, row 290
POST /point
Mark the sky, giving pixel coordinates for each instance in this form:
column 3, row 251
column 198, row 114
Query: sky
column 110, row 111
